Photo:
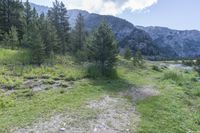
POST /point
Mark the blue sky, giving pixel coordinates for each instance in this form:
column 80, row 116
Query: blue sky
column 175, row 14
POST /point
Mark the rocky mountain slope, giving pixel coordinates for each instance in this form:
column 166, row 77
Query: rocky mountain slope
column 175, row 43
column 126, row 33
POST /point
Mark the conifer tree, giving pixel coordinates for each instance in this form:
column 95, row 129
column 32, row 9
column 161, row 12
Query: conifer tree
column 78, row 34
column 49, row 36
column 28, row 14
column 127, row 53
column 11, row 39
column 58, row 17
column 103, row 48
column 138, row 59
column 36, row 46
column 11, row 15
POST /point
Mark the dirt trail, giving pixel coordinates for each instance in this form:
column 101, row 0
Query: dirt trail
column 113, row 115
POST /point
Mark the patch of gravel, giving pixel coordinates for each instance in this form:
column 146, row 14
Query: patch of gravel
column 113, row 115
column 116, row 115
column 38, row 85
column 138, row 94
column 56, row 124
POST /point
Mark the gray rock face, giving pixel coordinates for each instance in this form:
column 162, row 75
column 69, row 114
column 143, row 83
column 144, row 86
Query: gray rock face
column 175, row 43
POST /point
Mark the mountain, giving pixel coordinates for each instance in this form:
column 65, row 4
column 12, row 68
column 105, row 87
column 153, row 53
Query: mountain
column 40, row 9
column 126, row 33
column 175, row 43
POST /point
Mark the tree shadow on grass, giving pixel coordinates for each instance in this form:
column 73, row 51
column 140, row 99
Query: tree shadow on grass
column 112, row 85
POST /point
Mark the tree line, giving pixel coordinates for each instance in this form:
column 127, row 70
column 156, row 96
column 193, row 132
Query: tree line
column 47, row 35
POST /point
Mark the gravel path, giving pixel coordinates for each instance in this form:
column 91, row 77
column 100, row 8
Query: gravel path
column 113, row 115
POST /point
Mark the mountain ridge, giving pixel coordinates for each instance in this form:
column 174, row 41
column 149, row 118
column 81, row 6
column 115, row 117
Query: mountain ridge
column 158, row 41
column 121, row 28
column 175, row 43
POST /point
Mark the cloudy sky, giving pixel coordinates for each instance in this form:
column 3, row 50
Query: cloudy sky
column 176, row 14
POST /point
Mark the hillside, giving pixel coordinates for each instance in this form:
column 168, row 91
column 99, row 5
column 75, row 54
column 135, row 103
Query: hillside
column 175, row 43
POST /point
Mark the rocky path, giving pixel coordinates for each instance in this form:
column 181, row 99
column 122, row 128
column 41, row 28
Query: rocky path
column 112, row 115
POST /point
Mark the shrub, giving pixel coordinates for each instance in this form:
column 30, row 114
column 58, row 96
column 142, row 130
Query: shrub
column 94, row 71
column 6, row 102
column 156, row 68
column 175, row 76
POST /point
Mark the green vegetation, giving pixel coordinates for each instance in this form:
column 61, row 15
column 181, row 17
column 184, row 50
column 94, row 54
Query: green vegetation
column 175, row 109
column 127, row 53
column 103, row 49
column 14, row 57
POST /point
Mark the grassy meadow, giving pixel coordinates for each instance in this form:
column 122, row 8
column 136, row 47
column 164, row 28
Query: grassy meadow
column 175, row 110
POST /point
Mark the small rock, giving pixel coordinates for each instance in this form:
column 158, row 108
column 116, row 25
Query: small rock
column 64, row 85
column 62, row 129
column 95, row 129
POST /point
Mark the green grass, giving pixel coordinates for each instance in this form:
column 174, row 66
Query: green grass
column 24, row 110
column 175, row 110
column 15, row 57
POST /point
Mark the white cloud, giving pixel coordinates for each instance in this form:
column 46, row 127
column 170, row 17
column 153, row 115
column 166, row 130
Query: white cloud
column 111, row 7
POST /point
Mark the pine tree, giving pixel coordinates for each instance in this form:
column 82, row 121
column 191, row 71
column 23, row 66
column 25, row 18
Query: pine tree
column 32, row 39
column 36, row 46
column 127, row 53
column 11, row 15
column 30, row 20
column 28, row 13
column 78, row 34
column 103, row 48
column 58, row 17
column 11, row 39
column 138, row 59
column 49, row 36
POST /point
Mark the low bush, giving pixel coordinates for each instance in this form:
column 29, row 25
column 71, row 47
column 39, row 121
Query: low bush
column 156, row 68
column 174, row 76
column 6, row 102
column 94, row 71
column 8, row 56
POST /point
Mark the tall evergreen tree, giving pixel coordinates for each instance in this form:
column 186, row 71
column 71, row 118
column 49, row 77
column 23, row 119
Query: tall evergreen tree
column 28, row 20
column 28, row 13
column 78, row 34
column 58, row 17
column 31, row 21
column 138, row 59
column 49, row 36
column 103, row 48
column 11, row 12
column 36, row 45
column 11, row 39
column 127, row 53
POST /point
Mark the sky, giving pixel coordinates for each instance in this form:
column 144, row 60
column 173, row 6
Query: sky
column 175, row 14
